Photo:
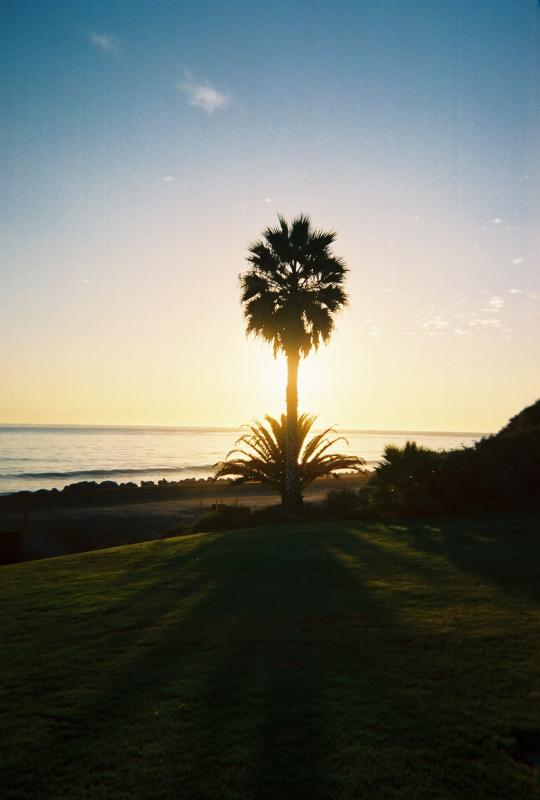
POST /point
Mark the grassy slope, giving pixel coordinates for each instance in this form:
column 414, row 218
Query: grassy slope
column 344, row 660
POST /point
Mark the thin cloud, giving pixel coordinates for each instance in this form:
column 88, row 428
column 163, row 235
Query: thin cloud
column 436, row 322
column 517, row 262
column 465, row 322
column 204, row 95
column 495, row 303
column 486, row 322
column 105, row 43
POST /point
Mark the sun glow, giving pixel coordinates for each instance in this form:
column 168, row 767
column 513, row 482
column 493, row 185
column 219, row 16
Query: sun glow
column 315, row 380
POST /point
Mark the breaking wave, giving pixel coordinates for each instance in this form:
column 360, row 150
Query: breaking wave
column 109, row 473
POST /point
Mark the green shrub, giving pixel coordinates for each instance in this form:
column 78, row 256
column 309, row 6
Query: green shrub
column 341, row 504
column 224, row 517
column 407, row 479
column 498, row 473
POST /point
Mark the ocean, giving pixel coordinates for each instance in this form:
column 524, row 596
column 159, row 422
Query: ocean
column 53, row 456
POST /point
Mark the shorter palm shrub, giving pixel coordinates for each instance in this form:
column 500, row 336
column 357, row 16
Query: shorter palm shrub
column 407, row 480
column 260, row 455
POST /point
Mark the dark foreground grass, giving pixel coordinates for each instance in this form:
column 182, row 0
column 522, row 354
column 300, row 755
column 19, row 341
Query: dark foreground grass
column 319, row 661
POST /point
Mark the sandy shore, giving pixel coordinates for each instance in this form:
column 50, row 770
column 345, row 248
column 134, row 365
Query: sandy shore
column 59, row 524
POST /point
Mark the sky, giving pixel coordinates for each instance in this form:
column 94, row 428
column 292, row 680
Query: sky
column 146, row 143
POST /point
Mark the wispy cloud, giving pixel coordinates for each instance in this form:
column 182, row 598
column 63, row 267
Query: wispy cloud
column 105, row 42
column 370, row 327
column 204, row 95
column 485, row 322
column 436, row 322
column 495, row 303
column 466, row 321
column 517, row 262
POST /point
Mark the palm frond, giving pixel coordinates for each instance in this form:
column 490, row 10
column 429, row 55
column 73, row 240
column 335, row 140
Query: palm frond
column 259, row 454
column 294, row 285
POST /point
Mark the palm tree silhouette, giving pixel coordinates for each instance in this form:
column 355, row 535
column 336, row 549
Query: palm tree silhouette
column 260, row 454
column 290, row 292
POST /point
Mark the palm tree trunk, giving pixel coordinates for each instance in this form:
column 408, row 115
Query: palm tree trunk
column 292, row 499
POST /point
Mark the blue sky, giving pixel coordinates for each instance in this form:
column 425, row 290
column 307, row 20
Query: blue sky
column 146, row 143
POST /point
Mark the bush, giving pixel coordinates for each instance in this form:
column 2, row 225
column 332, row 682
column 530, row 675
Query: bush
column 341, row 503
column 179, row 529
column 223, row 518
column 407, row 480
column 498, row 473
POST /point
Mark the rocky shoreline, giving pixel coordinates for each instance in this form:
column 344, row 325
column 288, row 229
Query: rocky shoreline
column 105, row 491
column 110, row 492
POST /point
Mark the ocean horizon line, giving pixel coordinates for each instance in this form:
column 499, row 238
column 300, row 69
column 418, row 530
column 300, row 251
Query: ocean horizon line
column 222, row 428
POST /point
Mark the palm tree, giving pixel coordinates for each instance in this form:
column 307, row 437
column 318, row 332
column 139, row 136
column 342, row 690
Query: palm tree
column 290, row 292
column 261, row 455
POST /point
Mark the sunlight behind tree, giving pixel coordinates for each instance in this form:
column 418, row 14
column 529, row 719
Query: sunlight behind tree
column 290, row 293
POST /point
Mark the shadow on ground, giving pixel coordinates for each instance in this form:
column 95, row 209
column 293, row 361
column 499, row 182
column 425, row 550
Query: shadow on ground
column 318, row 661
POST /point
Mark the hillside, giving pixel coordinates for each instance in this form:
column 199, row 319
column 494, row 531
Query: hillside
column 526, row 422
column 350, row 660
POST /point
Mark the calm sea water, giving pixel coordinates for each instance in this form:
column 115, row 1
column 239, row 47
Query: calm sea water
column 53, row 456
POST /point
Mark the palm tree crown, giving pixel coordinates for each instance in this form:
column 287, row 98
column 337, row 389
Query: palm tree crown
column 293, row 287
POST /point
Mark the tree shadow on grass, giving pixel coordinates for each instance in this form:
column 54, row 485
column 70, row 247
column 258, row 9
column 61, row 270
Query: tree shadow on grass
column 262, row 664
column 503, row 549
column 103, row 657
column 266, row 715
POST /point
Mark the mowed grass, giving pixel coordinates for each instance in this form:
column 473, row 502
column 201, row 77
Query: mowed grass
column 343, row 660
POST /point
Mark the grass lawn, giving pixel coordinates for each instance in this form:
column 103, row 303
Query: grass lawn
column 319, row 661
